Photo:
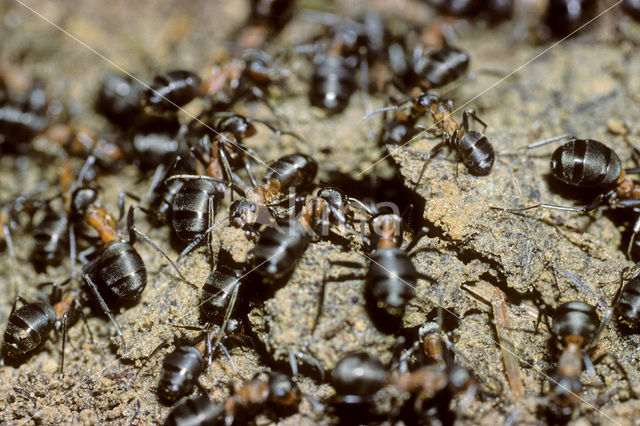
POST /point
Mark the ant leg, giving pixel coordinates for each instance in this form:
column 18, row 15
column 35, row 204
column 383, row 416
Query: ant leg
column 209, row 178
column 212, row 210
column 548, row 141
column 197, row 240
column 85, row 168
column 600, row 199
column 471, row 113
column 226, row 353
column 120, row 205
column 84, row 253
column 103, row 306
column 311, row 360
column 78, row 306
column 431, row 154
column 72, row 252
column 276, row 130
column 293, row 363
column 15, row 303
column 8, row 240
column 227, row 314
column 157, row 178
column 65, row 328
column 133, row 231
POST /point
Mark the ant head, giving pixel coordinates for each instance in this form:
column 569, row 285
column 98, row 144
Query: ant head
column 426, row 100
column 240, row 126
column 282, row 390
column 334, row 197
column 243, row 212
column 81, row 199
column 576, row 319
column 387, row 227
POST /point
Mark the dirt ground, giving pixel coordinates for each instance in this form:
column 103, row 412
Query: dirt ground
column 585, row 86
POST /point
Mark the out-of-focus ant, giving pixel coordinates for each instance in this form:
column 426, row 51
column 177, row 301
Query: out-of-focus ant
column 265, row 392
column 493, row 10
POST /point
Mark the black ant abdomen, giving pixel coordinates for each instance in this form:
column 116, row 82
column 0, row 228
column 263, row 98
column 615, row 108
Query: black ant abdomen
column 27, row 328
column 180, row 369
column 119, row 99
column 627, row 308
column 586, row 163
column 279, row 248
column 172, row 90
column 356, row 378
column 217, row 292
column 575, row 319
column 292, row 171
column 441, row 67
column 120, row 271
column 190, row 209
column 567, row 16
column 50, row 239
column 332, row 84
column 196, row 411
column 476, row 152
column 389, row 279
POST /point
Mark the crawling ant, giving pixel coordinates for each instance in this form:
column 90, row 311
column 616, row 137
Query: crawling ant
column 276, row 393
column 473, row 148
column 587, row 163
column 118, row 271
column 28, row 327
column 218, row 143
column 350, row 44
column 172, row 90
column 181, row 368
column 575, row 327
column 390, row 276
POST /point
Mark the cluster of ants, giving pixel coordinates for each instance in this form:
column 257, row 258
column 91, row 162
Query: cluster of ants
column 201, row 163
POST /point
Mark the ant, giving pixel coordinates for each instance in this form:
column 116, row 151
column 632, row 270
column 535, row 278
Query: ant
column 28, row 327
column 290, row 171
column 390, row 276
column 117, row 271
column 587, row 163
column 473, row 148
column 349, row 44
column 280, row 247
column 575, row 326
column 221, row 150
column 270, row 391
column 358, row 377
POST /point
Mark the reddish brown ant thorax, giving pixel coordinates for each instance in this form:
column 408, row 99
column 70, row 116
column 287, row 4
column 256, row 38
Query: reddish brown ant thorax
column 102, row 221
